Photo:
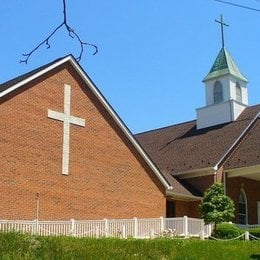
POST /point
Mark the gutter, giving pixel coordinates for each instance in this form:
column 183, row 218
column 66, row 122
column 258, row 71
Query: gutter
column 34, row 76
column 183, row 196
column 184, row 174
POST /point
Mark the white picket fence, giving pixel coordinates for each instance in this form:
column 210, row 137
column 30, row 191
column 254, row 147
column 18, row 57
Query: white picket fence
column 122, row 228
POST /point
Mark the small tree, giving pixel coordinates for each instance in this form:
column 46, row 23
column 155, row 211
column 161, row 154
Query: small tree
column 215, row 206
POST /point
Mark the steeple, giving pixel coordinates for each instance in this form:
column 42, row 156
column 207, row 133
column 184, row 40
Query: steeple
column 225, row 89
column 224, row 65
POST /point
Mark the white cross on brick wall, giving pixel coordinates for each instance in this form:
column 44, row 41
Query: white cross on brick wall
column 67, row 119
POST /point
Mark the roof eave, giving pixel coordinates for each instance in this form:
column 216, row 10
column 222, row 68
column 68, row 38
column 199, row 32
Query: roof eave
column 34, row 76
column 195, row 173
column 181, row 196
column 217, row 74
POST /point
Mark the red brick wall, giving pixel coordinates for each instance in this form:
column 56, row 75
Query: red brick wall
column 252, row 190
column 107, row 177
column 189, row 209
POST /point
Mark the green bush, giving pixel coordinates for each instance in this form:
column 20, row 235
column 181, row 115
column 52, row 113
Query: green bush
column 216, row 207
column 226, row 231
column 255, row 232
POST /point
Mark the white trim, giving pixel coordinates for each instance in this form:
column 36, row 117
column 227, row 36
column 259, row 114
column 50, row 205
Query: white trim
column 196, row 173
column 243, row 171
column 34, row 76
column 183, row 197
column 99, row 96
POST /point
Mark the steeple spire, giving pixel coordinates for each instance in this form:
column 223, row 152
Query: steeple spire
column 224, row 65
column 226, row 91
column 221, row 22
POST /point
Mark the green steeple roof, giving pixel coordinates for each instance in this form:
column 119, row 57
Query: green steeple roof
column 224, row 65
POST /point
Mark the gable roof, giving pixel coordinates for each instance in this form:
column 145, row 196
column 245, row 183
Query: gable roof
column 224, row 65
column 182, row 148
column 12, row 85
column 247, row 153
column 4, row 86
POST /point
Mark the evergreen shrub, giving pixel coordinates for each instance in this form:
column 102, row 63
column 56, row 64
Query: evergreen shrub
column 255, row 232
column 216, row 207
column 226, row 231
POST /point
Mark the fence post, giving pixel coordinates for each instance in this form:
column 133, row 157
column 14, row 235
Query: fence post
column 246, row 235
column 36, row 227
column 72, row 230
column 185, row 226
column 96, row 231
column 202, row 229
column 135, row 228
column 209, row 229
column 106, row 227
column 161, row 224
column 152, row 233
column 123, row 233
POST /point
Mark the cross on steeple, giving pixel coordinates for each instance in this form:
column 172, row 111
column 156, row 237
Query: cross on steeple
column 221, row 22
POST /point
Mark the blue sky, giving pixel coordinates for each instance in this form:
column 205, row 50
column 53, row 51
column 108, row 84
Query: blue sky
column 152, row 54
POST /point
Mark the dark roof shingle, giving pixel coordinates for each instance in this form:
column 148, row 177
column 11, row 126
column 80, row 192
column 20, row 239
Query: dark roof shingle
column 247, row 152
column 181, row 148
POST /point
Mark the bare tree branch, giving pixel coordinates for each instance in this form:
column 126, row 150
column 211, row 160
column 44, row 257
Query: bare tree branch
column 71, row 33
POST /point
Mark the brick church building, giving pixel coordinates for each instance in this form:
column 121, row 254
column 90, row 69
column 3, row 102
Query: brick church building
column 65, row 150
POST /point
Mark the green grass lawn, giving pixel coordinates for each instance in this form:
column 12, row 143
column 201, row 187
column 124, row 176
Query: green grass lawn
column 17, row 246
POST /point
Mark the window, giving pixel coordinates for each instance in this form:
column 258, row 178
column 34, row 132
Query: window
column 238, row 92
column 218, row 92
column 242, row 208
